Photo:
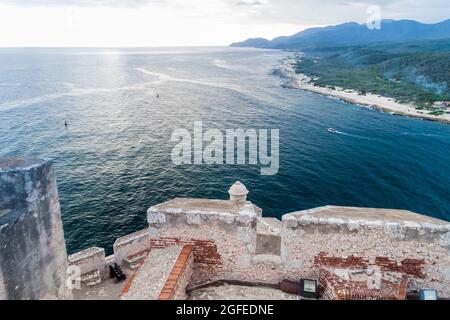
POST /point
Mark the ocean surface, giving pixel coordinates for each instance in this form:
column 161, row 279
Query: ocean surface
column 113, row 160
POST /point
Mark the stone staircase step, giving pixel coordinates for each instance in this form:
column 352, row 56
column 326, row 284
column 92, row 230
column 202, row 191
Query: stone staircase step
column 135, row 260
column 134, row 266
column 91, row 279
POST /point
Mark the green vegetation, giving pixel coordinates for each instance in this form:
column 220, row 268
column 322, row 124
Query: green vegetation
column 416, row 72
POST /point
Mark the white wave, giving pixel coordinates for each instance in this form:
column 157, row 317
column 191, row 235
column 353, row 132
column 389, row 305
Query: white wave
column 166, row 78
column 75, row 92
column 222, row 64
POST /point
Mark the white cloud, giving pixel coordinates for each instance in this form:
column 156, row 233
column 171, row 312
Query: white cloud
column 183, row 22
column 249, row 2
column 80, row 3
column 325, row 12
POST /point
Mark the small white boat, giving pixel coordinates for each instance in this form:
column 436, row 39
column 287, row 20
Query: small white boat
column 332, row 130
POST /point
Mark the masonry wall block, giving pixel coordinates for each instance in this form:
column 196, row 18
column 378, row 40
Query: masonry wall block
column 33, row 258
column 89, row 260
column 131, row 244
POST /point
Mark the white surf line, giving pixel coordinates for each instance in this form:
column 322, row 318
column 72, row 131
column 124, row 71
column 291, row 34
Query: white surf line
column 222, row 64
column 76, row 92
column 166, row 77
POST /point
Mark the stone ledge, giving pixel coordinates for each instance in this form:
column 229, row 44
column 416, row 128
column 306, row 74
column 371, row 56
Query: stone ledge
column 129, row 238
column 89, row 260
column 18, row 164
column 394, row 222
column 85, row 254
column 198, row 211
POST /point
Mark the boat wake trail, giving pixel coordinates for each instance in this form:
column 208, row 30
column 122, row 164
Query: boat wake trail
column 422, row 135
column 348, row 134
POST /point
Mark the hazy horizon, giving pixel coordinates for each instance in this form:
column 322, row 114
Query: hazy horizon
column 174, row 23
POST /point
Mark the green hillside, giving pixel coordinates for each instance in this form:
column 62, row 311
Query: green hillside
column 416, row 71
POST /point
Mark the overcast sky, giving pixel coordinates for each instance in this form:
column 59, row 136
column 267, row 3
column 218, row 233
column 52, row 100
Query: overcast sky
column 187, row 22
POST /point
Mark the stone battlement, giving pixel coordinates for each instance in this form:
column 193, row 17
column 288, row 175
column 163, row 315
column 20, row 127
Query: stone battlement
column 383, row 253
column 198, row 211
column 398, row 224
column 231, row 240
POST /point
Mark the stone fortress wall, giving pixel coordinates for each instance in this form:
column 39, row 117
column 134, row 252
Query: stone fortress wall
column 355, row 253
column 345, row 240
column 231, row 240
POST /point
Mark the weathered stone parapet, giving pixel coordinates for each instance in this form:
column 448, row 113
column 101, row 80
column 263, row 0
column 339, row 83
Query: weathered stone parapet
column 398, row 224
column 130, row 245
column 89, row 260
column 33, row 258
column 203, row 211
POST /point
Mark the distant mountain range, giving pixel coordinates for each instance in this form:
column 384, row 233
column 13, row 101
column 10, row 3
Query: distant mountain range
column 352, row 33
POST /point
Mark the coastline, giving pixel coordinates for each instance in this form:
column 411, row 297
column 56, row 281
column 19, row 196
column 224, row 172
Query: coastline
column 300, row 81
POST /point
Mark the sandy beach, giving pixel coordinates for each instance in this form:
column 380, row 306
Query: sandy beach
column 373, row 101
